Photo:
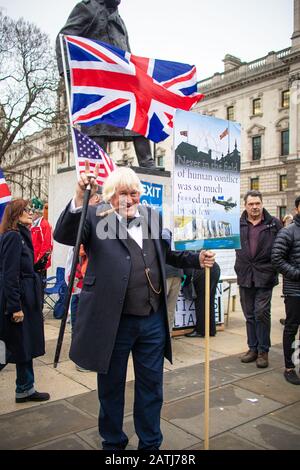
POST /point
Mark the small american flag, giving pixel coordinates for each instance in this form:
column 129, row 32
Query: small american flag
column 5, row 195
column 184, row 133
column 87, row 149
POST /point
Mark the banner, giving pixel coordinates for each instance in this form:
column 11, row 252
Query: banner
column 206, row 182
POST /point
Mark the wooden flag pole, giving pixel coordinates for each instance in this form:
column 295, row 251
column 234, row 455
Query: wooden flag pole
column 206, row 374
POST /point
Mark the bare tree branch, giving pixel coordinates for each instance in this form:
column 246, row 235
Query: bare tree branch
column 28, row 81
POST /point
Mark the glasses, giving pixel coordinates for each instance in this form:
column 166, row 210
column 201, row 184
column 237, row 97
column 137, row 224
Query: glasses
column 28, row 210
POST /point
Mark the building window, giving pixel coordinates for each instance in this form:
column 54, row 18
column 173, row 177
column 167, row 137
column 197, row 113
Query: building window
column 254, row 184
column 40, row 171
column 62, row 157
column 230, row 113
column 285, row 99
column 160, row 161
column 256, row 148
column 123, row 145
column 281, row 212
column 285, row 142
column 256, row 106
column 282, row 182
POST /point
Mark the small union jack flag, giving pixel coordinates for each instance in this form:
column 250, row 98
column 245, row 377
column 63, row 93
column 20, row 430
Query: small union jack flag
column 109, row 85
column 87, row 149
column 5, row 195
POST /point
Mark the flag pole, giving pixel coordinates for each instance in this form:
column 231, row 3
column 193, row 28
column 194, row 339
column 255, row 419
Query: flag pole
column 67, row 83
column 206, row 372
column 67, row 87
column 86, row 199
column 228, row 137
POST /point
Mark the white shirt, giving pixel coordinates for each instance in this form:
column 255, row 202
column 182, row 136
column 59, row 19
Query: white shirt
column 135, row 232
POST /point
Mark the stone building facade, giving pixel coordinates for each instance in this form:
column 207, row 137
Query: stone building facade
column 264, row 97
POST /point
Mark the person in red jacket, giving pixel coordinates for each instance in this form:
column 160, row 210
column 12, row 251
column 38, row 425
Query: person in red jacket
column 42, row 240
column 41, row 232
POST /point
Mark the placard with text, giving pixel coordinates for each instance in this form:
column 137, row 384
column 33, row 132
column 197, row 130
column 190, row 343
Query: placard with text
column 206, row 182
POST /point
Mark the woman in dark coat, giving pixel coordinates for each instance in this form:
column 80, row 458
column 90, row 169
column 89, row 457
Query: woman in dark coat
column 21, row 318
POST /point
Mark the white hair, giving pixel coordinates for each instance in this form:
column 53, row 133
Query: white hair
column 121, row 177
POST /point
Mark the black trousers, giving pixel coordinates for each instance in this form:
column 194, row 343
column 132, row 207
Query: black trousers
column 199, row 284
column 292, row 322
column 141, row 146
column 256, row 305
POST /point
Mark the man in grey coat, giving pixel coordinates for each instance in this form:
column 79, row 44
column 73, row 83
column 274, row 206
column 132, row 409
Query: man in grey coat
column 100, row 20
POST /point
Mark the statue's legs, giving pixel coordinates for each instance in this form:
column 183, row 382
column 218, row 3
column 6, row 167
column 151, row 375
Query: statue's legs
column 102, row 141
column 141, row 146
column 143, row 152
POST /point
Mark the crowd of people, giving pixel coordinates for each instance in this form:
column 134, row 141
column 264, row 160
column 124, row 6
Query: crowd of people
column 126, row 297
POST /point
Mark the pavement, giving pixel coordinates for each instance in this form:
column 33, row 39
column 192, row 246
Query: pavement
column 250, row 408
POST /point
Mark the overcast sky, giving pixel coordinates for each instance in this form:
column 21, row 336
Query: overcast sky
column 197, row 32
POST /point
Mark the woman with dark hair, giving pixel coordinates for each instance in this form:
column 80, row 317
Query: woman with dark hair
column 21, row 319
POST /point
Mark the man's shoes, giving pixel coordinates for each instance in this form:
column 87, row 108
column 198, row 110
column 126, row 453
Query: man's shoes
column 291, row 377
column 249, row 356
column 262, row 360
column 81, row 369
column 282, row 321
column 194, row 334
column 36, row 396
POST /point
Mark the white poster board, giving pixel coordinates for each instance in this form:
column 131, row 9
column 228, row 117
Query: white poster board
column 185, row 311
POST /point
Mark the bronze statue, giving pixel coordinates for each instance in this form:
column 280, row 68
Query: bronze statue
column 100, row 20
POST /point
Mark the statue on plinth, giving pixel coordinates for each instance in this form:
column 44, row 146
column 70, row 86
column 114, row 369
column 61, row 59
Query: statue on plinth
column 100, row 20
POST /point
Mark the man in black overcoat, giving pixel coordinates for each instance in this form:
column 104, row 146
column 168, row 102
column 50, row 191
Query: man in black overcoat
column 122, row 305
column 100, row 20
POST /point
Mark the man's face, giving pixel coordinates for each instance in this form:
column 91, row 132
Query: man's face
column 125, row 200
column 112, row 3
column 254, row 207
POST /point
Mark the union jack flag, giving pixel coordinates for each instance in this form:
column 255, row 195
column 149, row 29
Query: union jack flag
column 5, row 195
column 109, row 85
column 87, row 149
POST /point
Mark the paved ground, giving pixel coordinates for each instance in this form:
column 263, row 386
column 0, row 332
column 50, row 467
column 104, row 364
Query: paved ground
column 250, row 408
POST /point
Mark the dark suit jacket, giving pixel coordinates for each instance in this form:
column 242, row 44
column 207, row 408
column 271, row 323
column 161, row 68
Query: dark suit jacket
column 106, row 280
